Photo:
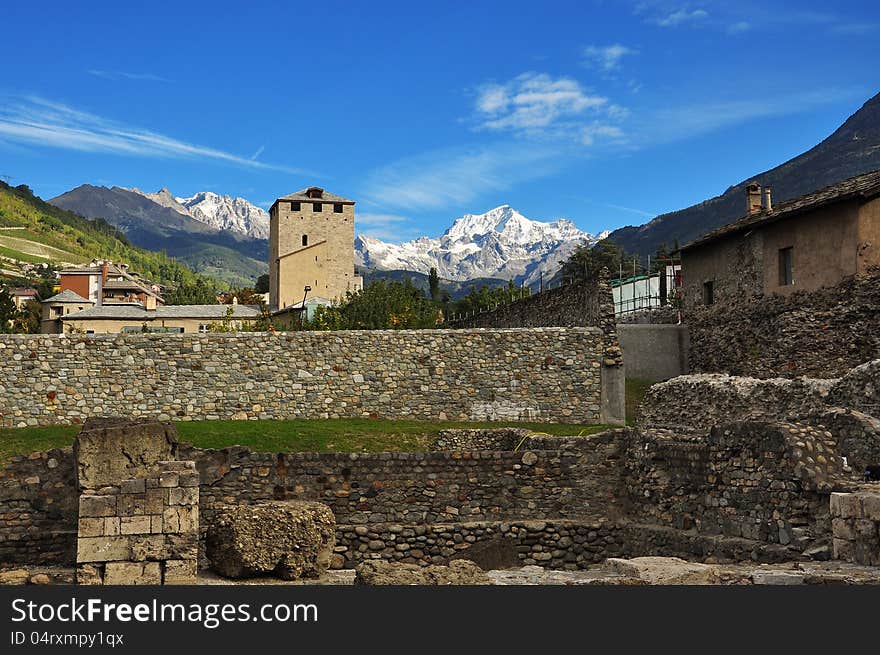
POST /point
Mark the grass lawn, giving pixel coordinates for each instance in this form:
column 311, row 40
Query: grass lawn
column 331, row 435
column 636, row 388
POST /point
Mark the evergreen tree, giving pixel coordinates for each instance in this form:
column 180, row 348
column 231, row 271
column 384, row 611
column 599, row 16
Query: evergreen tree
column 8, row 313
column 262, row 284
column 197, row 293
column 434, row 284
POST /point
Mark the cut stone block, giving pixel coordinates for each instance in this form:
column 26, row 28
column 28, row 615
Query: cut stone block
column 133, row 573
column 108, row 451
column 664, row 570
column 181, row 572
column 102, row 549
column 97, row 506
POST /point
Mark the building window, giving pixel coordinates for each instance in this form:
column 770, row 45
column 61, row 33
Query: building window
column 295, row 206
column 204, row 328
column 709, row 292
column 305, row 239
column 316, row 206
column 337, row 208
column 785, row 267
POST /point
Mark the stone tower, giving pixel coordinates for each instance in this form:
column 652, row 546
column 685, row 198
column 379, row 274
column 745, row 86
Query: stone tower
column 311, row 243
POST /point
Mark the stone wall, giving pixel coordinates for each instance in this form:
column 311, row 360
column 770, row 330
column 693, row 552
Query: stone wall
column 654, row 352
column 38, row 508
column 547, row 374
column 855, row 524
column 141, row 531
column 548, row 478
column 761, row 481
column 820, row 333
column 694, row 403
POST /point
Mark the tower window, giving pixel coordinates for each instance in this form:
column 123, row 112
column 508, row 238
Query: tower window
column 337, row 208
column 305, row 239
column 786, row 276
column 295, row 207
column 316, row 206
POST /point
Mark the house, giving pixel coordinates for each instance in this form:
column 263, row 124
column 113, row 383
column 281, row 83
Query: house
column 55, row 308
column 112, row 281
column 21, row 297
column 311, row 248
column 810, row 242
column 121, row 318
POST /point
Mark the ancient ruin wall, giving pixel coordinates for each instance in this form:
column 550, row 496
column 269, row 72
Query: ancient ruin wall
column 820, row 333
column 549, row 374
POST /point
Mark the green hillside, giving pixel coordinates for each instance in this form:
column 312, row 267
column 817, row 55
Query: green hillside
column 34, row 231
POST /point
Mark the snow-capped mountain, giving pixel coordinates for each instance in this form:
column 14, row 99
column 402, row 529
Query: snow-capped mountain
column 220, row 212
column 502, row 243
column 228, row 213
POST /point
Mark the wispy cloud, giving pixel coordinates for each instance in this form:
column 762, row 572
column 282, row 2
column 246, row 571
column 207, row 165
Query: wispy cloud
column 36, row 121
column 681, row 17
column 671, row 124
column 388, row 227
column 456, row 176
column 607, row 58
column 537, row 105
column 739, row 27
column 855, row 29
column 258, row 153
column 122, row 75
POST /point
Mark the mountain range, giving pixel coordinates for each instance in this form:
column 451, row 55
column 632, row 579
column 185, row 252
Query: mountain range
column 500, row 243
column 852, row 149
column 214, row 236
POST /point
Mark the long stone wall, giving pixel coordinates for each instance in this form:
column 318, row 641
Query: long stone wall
column 820, row 333
column 548, row 374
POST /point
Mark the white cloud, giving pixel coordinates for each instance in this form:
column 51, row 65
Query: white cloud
column 120, row 75
column 682, row 17
column 36, row 121
column 590, row 133
column 607, row 58
column 533, row 101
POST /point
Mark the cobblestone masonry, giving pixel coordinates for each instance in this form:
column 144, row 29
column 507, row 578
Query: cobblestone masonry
column 38, row 508
column 581, row 304
column 143, row 531
column 820, row 333
column 549, row 374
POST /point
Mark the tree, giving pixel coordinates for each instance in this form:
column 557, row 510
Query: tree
column 8, row 313
column 28, row 319
column 262, row 284
column 198, row 293
column 380, row 305
column 586, row 262
column 434, row 284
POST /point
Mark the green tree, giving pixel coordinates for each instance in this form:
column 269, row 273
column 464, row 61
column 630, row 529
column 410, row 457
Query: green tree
column 197, row 293
column 28, row 319
column 586, row 262
column 380, row 305
column 8, row 313
column 262, row 284
column 434, row 284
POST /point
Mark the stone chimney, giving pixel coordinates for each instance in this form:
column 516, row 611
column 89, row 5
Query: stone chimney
column 753, row 198
column 768, row 204
column 150, row 302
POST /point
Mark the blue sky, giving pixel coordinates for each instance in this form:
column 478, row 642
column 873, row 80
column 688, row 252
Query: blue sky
column 602, row 112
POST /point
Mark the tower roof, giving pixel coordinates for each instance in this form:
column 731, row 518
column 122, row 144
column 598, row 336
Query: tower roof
column 313, row 194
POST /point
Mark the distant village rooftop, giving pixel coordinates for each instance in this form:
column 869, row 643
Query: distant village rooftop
column 863, row 187
column 67, row 296
column 136, row 311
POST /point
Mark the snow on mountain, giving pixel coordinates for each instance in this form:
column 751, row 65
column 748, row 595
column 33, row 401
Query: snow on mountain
column 502, row 243
column 228, row 213
column 220, row 212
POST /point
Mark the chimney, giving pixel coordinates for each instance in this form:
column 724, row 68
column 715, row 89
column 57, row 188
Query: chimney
column 768, row 205
column 753, row 197
column 150, row 302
